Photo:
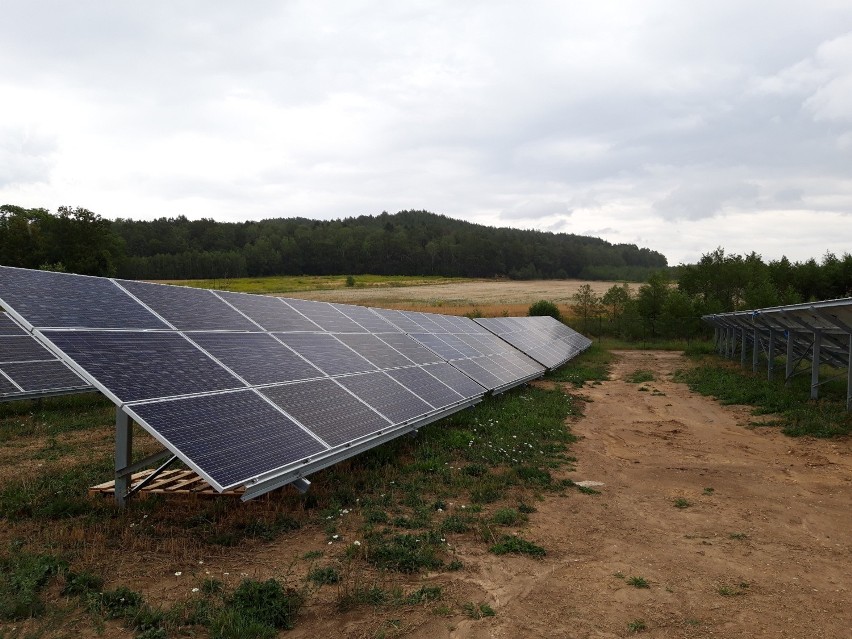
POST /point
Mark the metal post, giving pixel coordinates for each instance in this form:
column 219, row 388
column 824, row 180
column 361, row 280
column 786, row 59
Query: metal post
column 754, row 350
column 732, row 342
column 743, row 349
column 123, row 453
column 849, row 376
column 770, row 355
column 815, row 359
column 788, row 367
column 716, row 338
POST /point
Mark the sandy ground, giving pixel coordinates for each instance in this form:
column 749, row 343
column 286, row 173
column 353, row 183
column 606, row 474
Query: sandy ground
column 763, row 549
column 488, row 292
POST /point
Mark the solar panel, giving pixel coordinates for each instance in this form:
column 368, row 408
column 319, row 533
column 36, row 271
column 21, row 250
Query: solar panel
column 385, row 395
column 35, row 377
column 326, row 353
column 271, row 313
column 22, row 348
column 189, row 309
column 430, row 388
column 139, row 365
column 328, row 410
column 544, row 339
column 28, row 369
column 250, row 389
column 371, row 321
column 56, row 300
column 375, row 350
column 326, row 316
column 411, row 349
column 456, row 380
column 203, row 429
column 256, row 357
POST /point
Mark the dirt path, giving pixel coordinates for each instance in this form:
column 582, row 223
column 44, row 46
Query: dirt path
column 762, row 550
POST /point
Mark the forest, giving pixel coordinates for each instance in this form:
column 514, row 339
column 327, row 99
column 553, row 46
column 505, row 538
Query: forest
column 407, row 243
column 669, row 304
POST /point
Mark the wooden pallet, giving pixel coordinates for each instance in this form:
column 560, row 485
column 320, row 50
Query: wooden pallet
column 169, row 482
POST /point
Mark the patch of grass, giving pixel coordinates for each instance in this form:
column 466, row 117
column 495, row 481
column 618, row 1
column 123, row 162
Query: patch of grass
column 477, row 611
column 312, row 554
column 508, row 517
column 299, row 283
column 587, row 490
column 361, row 595
column 680, row 502
column 638, row 582
column 424, row 594
column 709, row 491
column 640, row 376
column 637, row 625
column 23, row 577
column 455, row 565
column 590, row 366
column 324, row 576
column 513, row 544
column 402, row 553
column 456, row 524
column 738, row 535
column 797, row 415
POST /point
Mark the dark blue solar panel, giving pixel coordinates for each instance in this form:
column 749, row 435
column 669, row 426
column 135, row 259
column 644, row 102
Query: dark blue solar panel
column 326, row 353
column 272, row 313
column 401, row 320
column 482, row 376
column 389, row 398
column 439, row 346
column 42, row 376
column 256, row 357
column 189, row 309
column 7, row 387
column 456, row 380
column 374, row 350
column 366, row 318
column 48, row 299
column 9, row 327
column 230, row 437
column 328, row 410
column 23, row 348
column 135, row 366
column 411, row 349
column 326, row 316
column 426, row 386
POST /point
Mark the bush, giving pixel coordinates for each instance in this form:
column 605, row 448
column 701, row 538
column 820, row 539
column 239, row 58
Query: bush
column 544, row 307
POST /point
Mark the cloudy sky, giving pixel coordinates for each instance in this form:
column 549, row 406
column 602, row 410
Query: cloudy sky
column 680, row 126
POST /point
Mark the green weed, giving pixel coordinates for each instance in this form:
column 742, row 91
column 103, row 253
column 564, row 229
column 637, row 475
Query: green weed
column 518, row 546
column 639, row 376
column 680, row 502
column 638, row 582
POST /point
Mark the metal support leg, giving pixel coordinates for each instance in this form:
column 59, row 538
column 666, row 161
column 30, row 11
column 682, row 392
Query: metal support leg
column 770, row 355
column 123, row 453
column 743, row 349
column 716, row 338
column 788, row 368
column 755, row 347
column 849, row 377
column 815, row 360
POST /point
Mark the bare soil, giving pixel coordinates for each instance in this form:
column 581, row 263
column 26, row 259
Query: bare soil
column 762, row 550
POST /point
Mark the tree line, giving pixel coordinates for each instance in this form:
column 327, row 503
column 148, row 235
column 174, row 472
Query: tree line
column 717, row 283
column 407, row 243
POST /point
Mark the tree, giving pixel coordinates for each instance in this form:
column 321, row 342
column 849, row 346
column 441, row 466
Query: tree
column 586, row 303
column 544, row 307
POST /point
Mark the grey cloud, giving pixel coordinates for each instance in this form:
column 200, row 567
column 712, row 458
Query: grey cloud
column 700, row 200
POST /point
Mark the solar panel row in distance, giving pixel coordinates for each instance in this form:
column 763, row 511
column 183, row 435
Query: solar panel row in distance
column 29, row 370
column 544, row 339
column 468, row 347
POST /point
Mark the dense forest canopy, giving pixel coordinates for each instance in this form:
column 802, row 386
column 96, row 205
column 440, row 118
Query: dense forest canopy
column 407, row 243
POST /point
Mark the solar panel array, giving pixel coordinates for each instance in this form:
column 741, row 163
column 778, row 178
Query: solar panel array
column 29, row 370
column 545, row 339
column 247, row 388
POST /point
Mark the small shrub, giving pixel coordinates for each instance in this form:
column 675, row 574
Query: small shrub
column 350, row 281
column 479, row 611
column 680, row 502
column 403, row 553
column 637, row 625
column 455, row 524
column 267, row 603
column 544, row 307
column 640, row 376
column 81, row 584
column 426, row 593
column 508, row 517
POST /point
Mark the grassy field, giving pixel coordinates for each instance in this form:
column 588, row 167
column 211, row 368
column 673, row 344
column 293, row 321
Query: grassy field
column 72, row 564
column 279, row 284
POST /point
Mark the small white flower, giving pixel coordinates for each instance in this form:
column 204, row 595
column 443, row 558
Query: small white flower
column 356, row 543
column 178, row 573
column 195, row 590
column 200, row 563
column 329, row 543
column 335, row 536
